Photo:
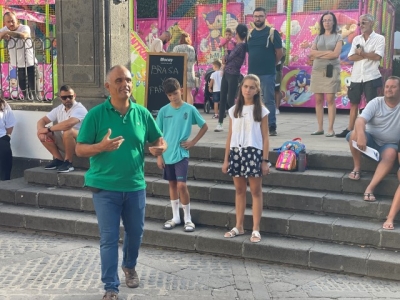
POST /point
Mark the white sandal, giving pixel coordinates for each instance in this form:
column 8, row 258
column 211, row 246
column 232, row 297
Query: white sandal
column 233, row 233
column 255, row 237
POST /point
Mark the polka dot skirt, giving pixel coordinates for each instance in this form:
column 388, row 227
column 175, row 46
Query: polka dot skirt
column 245, row 162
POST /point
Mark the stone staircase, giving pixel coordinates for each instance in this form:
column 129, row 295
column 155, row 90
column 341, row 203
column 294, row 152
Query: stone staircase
column 315, row 219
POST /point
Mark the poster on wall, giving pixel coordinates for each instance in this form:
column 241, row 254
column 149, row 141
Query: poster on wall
column 209, row 29
column 177, row 26
column 148, row 30
column 138, row 67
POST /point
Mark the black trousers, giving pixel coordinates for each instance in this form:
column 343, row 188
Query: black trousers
column 31, row 79
column 5, row 158
column 229, row 86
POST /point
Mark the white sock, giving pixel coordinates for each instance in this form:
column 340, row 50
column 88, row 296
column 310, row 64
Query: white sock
column 186, row 213
column 175, row 211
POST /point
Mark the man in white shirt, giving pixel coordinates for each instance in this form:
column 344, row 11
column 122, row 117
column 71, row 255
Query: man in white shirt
column 378, row 127
column 62, row 136
column 158, row 43
column 20, row 49
column 366, row 52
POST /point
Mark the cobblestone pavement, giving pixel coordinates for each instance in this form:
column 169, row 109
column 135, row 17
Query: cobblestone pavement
column 37, row 265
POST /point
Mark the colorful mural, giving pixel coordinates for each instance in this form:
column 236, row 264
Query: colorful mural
column 138, row 67
column 209, row 29
column 44, row 82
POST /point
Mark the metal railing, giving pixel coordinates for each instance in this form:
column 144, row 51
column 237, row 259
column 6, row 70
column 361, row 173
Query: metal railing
column 28, row 69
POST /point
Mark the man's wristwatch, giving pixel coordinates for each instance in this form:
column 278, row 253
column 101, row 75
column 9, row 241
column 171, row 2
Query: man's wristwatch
column 266, row 160
column 49, row 129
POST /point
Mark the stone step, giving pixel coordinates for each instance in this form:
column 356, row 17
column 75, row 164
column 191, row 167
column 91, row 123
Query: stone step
column 341, row 229
column 286, row 198
column 301, row 252
column 317, row 180
column 316, row 160
column 19, row 192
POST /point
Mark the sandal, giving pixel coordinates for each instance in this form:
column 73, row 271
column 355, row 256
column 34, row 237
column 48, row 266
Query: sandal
column 369, row 197
column 355, row 175
column 321, row 132
column 233, row 233
column 189, row 227
column 388, row 226
column 332, row 134
column 255, row 237
column 170, row 224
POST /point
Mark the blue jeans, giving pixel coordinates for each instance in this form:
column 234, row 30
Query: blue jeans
column 110, row 207
column 268, row 96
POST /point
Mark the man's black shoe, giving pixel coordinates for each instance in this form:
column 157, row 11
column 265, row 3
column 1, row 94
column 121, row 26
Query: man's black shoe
column 55, row 163
column 65, row 167
column 343, row 134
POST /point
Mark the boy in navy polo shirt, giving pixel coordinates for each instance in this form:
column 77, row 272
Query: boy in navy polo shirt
column 175, row 121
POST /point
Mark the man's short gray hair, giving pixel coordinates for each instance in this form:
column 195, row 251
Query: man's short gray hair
column 368, row 17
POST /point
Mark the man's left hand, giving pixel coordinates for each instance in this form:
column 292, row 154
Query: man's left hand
column 159, row 149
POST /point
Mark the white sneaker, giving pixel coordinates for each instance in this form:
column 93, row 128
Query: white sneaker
column 219, row 128
column 277, row 112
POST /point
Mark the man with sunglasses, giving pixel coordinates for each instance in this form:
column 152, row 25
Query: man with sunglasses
column 366, row 52
column 62, row 136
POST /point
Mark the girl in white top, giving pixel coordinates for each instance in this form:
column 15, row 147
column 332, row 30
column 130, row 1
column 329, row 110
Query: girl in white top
column 246, row 153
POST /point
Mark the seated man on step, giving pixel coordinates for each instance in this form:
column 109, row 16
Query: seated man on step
column 378, row 127
column 62, row 136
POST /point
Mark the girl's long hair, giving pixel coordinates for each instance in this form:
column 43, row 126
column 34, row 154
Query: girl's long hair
column 256, row 100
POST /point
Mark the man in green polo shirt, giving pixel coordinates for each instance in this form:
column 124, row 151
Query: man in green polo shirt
column 113, row 135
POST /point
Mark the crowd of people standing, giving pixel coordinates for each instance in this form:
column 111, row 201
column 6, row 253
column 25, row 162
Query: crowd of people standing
column 119, row 128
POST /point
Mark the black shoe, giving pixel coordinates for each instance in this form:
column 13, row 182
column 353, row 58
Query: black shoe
column 343, row 134
column 65, row 167
column 55, row 163
column 273, row 132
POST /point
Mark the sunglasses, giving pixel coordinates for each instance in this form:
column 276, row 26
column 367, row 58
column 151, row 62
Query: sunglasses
column 362, row 23
column 70, row 97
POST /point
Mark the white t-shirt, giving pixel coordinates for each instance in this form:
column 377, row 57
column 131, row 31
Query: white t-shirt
column 16, row 48
column 383, row 122
column 156, row 46
column 245, row 131
column 7, row 119
column 217, row 77
column 366, row 69
column 59, row 114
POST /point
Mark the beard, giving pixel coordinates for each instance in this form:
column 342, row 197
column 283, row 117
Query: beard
column 259, row 24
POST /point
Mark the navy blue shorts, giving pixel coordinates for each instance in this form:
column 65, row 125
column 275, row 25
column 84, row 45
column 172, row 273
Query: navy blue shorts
column 177, row 171
column 216, row 97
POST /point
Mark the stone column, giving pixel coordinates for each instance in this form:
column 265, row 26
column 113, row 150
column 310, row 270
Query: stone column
column 92, row 36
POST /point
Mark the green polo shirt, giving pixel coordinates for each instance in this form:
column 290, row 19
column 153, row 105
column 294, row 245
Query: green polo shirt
column 121, row 170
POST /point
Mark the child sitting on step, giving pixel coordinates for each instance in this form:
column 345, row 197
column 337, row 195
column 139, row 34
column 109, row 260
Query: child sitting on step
column 175, row 121
column 246, row 153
